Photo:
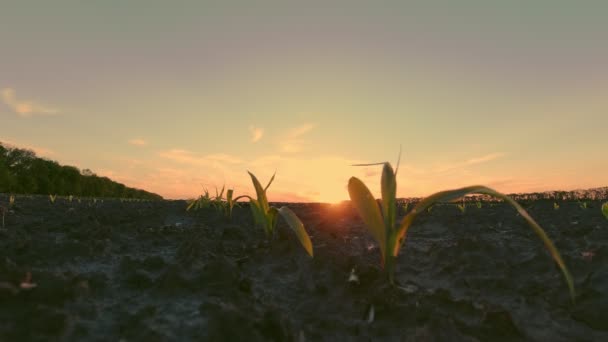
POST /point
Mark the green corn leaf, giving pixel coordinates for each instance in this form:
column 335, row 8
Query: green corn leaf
column 259, row 217
column 270, row 182
column 605, row 209
column 271, row 220
column 450, row 195
column 298, row 227
column 261, row 192
column 191, row 205
column 366, row 205
column 229, row 195
column 389, row 194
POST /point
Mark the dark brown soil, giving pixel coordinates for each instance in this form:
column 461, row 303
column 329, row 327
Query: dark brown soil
column 150, row 271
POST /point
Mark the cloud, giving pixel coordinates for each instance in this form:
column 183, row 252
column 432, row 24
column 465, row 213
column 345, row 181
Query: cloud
column 256, row 133
column 191, row 158
column 472, row 161
column 292, row 141
column 138, row 142
column 24, row 108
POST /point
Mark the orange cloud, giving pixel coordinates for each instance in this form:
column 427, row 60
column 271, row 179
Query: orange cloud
column 24, row 108
column 256, row 133
column 138, row 142
column 293, row 142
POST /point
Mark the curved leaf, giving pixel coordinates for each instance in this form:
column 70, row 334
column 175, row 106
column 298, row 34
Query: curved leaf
column 389, row 194
column 450, row 195
column 367, row 207
column 298, row 227
column 270, row 181
column 261, row 193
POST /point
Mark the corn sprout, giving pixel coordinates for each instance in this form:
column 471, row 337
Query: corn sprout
column 380, row 220
column 266, row 216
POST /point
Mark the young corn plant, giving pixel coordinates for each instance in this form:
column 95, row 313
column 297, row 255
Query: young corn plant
column 204, row 201
column 462, row 206
column 52, row 198
column 555, row 206
column 390, row 235
column 11, row 201
column 266, row 216
column 230, row 203
column 605, row 210
column 478, row 205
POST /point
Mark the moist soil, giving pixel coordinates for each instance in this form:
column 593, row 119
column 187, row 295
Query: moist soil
column 114, row 270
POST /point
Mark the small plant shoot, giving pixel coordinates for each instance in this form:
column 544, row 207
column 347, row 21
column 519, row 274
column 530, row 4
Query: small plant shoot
column 390, row 235
column 266, row 216
column 605, row 210
column 204, row 201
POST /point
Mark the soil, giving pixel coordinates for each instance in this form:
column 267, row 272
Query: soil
column 150, row 271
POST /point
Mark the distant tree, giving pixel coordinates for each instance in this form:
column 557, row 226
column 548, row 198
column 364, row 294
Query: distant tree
column 22, row 172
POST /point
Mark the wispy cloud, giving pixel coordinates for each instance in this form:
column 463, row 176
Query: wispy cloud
column 24, row 108
column 293, row 142
column 256, row 133
column 138, row 142
column 469, row 162
column 191, row 158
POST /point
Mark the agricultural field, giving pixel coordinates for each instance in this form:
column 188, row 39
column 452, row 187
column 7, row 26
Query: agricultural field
column 110, row 269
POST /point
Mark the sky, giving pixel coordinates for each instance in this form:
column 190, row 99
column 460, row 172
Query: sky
column 176, row 96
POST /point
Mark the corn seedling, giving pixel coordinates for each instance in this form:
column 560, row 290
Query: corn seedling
column 266, row 216
column 70, row 198
column 478, row 205
column 11, row 201
column 204, row 201
column 52, row 198
column 230, row 203
column 462, row 206
column 218, row 202
column 583, row 205
column 605, row 210
column 380, row 220
column 555, row 206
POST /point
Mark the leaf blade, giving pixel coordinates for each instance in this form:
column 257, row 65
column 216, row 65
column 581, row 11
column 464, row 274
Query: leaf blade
column 261, row 193
column 389, row 193
column 450, row 195
column 367, row 207
column 298, row 227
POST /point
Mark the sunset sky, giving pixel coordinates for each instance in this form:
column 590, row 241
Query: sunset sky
column 171, row 96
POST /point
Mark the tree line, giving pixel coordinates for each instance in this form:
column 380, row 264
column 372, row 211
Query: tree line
column 22, row 172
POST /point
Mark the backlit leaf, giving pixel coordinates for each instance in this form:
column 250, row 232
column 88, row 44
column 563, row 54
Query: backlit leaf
column 367, row 207
column 298, row 227
column 450, row 195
